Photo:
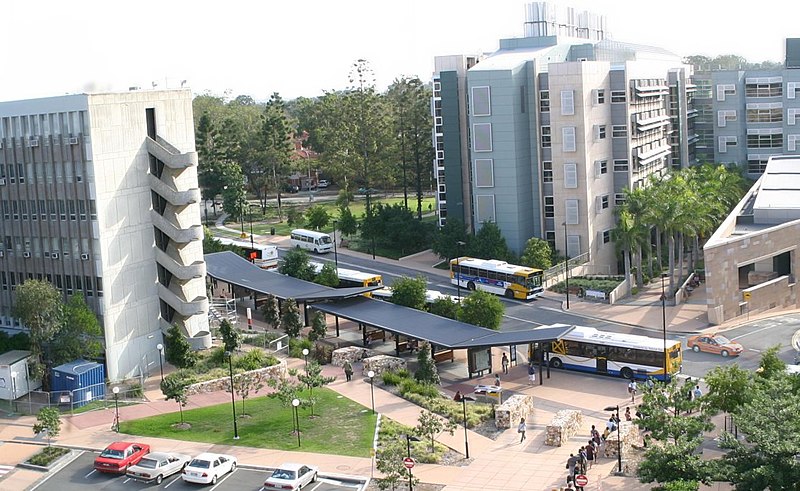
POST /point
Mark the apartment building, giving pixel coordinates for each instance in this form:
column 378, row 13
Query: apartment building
column 751, row 115
column 99, row 196
column 543, row 136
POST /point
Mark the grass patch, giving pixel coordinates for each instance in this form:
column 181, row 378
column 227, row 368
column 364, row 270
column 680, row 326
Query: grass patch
column 340, row 426
column 394, row 433
column 99, row 404
column 47, row 456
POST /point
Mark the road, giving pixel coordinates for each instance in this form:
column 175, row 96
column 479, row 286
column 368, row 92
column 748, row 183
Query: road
column 755, row 336
column 78, row 475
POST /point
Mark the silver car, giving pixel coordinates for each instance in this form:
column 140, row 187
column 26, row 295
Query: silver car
column 155, row 466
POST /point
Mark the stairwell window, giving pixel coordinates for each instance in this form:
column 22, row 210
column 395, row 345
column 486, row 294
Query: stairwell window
column 568, row 136
column 571, row 175
column 571, row 211
column 567, row 102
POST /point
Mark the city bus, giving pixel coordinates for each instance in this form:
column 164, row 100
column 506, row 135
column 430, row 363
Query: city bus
column 431, row 296
column 497, row 277
column 313, row 241
column 262, row 255
column 351, row 277
column 628, row 356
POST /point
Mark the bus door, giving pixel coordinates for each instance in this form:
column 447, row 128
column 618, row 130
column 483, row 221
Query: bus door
column 601, row 359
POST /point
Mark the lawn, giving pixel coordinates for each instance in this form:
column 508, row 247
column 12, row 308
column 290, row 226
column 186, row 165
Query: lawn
column 340, row 426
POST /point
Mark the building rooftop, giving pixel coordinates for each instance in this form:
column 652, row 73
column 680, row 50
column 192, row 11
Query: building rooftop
column 774, row 199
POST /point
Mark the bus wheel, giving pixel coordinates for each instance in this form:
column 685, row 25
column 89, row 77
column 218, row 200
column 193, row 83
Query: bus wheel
column 509, row 293
column 556, row 363
column 626, row 373
column 470, row 286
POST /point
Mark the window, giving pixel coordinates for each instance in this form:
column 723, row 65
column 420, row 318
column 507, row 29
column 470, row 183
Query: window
column 619, row 131
column 573, row 245
column 546, row 137
column 482, row 137
column 617, row 96
column 606, row 236
column 568, row 136
column 484, row 173
column 792, row 88
column 757, row 164
column 571, row 211
column 791, row 142
column 599, row 96
column 604, row 202
column 600, row 167
column 770, row 115
column 481, row 103
column 619, row 199
column 763, row 87
column 725, row 90
column 484, row 209
column 599, row 132
column 550, row 237
column 547, row 171
column 567, row 102
column 763, row 140
column 724, row 116
column 549, row 207
column 791, row 115
column 544, row 101
column 727, row 141
column 571, row 176
column 620, row 165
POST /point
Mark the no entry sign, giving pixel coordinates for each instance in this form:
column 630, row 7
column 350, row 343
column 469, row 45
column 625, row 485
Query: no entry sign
column 408, row 462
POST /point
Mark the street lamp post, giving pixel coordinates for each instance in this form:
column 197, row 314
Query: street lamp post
column 233, row 400
column 295, row 403
column 566, row 263
column 115, row 390
column 464, row 400
column 459, row 245
column 664, row 327
column 619, row 439
column 250, row 217
column 160, row 348
column 305, row 357
column 371, row 375
column 409, row 439
column 335, row 253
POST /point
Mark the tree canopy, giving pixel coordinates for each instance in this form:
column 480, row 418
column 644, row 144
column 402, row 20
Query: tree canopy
column 482, row 309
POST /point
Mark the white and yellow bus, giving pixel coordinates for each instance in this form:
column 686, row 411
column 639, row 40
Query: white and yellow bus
column 630, row 356
column 318, row 242
column 431, row 296
column 497, row 277
column 351, row 277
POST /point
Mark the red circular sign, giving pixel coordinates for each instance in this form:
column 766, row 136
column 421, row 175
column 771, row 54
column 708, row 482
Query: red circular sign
column 408, row 462
column 581, row 480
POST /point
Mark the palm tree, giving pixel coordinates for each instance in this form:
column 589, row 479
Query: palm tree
column 637, row 204
column 627, row 236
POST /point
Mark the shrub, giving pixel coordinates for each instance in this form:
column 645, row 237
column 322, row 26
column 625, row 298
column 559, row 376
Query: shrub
column 391, row 378
column 420, row 388
column 404, row 373
column 253, row 360
column 322, row 353
column 296, row 346
column 47, row 456
column 136, row 390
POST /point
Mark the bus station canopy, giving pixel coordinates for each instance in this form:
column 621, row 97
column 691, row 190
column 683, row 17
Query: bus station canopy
column 231, row 268
column 348, row 303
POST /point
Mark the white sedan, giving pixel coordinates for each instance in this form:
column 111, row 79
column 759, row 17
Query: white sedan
column 291, row 477
column 207, row 468
column 155, row 466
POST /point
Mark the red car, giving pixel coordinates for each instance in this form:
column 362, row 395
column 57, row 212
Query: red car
column 714, row 343
column 118, row 456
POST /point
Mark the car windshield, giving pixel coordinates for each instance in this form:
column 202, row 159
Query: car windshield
column 148, row 463
column 721, row 340
column 112, row 454
column 200, row 464
column 283, row 474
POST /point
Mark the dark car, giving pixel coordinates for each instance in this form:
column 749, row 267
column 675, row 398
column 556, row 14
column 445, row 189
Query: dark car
column 290, row 188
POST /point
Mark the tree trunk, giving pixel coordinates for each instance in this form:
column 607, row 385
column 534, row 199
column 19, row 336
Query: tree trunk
column 649, row 254
column 639, row 275
column 626, row 255
column 671, row 266
column 680, row 258
column 658, row 251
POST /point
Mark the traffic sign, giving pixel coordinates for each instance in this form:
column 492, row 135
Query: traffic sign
column 409, row 462
column 581, row 480
column 746, row 295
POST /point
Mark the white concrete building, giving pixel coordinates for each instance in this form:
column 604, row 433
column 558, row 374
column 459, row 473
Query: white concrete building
column 99, row 196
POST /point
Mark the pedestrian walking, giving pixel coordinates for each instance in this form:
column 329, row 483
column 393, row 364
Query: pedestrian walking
column 591, row 452
column 348, row 370
column 521, row 430
column 531, row 373
column 572, row 463
column 697, row 393
column 595, row 435
column 628, row 416
column 497, row 379
column 504, row 362
column 632, row 388
column 584, row 460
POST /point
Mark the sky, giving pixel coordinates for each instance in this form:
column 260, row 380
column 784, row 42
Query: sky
column 257, row 47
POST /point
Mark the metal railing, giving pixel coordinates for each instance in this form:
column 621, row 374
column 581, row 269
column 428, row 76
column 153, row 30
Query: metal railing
column 75, row 401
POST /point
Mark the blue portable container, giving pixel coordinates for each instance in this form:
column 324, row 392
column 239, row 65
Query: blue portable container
column 78, row 383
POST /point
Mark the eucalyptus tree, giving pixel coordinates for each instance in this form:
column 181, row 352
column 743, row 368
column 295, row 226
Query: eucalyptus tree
column 274, row 152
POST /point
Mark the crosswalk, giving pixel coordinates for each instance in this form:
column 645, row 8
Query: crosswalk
column 5, row 469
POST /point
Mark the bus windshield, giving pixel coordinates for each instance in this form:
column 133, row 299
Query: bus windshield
column 326, row 239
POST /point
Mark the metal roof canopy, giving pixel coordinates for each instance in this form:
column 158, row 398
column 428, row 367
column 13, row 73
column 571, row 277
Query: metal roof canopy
column 440, row 331
column 231, row 268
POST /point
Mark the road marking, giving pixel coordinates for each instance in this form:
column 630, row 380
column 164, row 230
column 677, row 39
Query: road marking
column 126, row 480
column 754, row 332
column 173, row 481
column 5, row 469
column 89, row 474
column 223, row 479
column 315, row 487
column 523, row 320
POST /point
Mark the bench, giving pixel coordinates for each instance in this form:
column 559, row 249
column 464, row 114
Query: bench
column 443, row 355
column 374, row 336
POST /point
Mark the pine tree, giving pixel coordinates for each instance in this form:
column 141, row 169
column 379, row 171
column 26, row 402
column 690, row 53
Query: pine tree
column 270, row 311
column 290, row 318
column 426, row 370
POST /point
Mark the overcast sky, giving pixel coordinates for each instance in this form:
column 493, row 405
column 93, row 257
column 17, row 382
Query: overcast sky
column 300, row 48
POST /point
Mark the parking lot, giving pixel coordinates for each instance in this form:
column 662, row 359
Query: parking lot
column 79, row 475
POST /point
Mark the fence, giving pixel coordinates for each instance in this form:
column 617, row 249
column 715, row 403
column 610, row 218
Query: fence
column 555, row 274
column 75, row 401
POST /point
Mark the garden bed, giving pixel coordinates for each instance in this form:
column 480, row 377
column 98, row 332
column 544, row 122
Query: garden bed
column 47, row 456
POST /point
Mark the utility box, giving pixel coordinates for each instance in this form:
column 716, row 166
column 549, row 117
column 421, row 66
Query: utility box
column 78, row 383
column 15, row 381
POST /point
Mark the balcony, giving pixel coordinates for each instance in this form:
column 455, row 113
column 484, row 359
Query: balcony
column 169, row 155
column 186, row 308
column 178, row 198
column 179, row 235
column 181, row 271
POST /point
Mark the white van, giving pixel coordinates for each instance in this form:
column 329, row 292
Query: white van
column 313, row 241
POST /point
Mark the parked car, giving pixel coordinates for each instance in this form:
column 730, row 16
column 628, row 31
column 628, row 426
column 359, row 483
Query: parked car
column 118, row 456
column 206, row 468
column 290, row 188
column 291, row 477
column 369, row 191
column 323, row 183
column 714, row 343
column 155, row 466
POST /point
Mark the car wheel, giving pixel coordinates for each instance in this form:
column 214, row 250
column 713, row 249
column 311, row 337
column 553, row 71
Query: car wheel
column 696, row 348
column 626, row 373
column 159, row 479
column 233, row 467
column 314, row 477
column 724, row 353
column 509, row 294
column 316, row 251
column 470, row 286
column 556, row 363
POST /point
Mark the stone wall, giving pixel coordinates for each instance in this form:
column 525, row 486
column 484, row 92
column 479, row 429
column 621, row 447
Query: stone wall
column 275, row 371
column 628, row 437
column 351, row 354
column 562, row 427
column 513, row 410
column 383, row 363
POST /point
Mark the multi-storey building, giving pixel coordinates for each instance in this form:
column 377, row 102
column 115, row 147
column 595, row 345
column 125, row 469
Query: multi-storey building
column 99, row 196
column 543, row 136
column 754, row 114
